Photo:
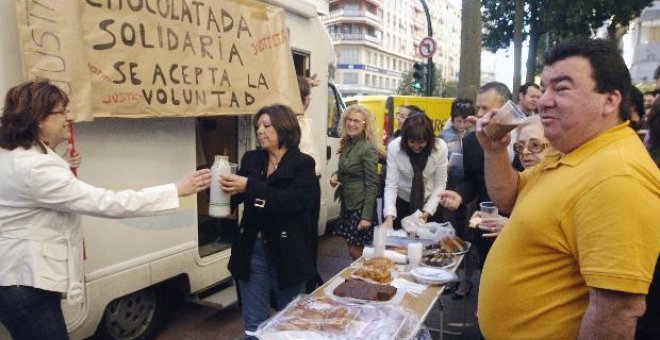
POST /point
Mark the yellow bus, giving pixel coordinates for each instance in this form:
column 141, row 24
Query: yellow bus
column 384, row 109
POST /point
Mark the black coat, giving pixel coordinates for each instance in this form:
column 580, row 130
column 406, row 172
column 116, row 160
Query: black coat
column 473, row 186
column 282, row 207
column 473, row 183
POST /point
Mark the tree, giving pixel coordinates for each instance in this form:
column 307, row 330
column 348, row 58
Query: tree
column 517, row 44
column 470, row 72
column 449, row 89
column 555, row 20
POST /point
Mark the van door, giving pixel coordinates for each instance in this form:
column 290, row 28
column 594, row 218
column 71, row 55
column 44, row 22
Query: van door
column 336, row 107
column 215, row 136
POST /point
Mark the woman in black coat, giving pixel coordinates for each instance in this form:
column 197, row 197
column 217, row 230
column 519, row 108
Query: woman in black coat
column 278, row 186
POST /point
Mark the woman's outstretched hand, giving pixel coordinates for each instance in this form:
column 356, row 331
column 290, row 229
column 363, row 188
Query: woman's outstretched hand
column 72, row 157
column 233, row 184
column 193, row 182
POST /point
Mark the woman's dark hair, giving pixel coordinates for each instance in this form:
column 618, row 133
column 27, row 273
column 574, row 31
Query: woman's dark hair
column 285, row 123
column 26, row 105
column 462, row 107
column 637, row 101
column 653, row 120
column 417, row 128
column 414, row 109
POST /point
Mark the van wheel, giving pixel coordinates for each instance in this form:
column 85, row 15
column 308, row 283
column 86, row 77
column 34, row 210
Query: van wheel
column 137, row 316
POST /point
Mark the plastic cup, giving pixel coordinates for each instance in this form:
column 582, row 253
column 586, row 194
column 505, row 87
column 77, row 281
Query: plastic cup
column 414, row 254
column 507, row 118
column 488, row 209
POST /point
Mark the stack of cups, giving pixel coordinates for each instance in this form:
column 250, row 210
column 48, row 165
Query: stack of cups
column 414, row 254
column 380, row 234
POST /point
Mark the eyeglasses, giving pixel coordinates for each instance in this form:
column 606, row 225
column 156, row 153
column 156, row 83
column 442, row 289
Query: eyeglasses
column 354, row 121
column 60, row 112
column 534, row 146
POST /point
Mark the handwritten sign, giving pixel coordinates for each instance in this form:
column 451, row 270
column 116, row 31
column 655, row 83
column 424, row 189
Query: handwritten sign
column 160, row 58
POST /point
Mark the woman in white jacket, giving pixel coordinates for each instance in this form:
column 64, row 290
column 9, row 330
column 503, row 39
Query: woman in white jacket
column 40, row 199
column 416, row 171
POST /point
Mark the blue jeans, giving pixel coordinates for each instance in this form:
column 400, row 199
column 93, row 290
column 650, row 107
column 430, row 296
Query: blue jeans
column 255, row 293
column 31, row 313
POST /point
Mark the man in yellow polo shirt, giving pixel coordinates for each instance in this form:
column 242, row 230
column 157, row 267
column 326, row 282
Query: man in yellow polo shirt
column 576, row 258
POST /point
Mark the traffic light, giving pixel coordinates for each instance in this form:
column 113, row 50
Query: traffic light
column 418, row 77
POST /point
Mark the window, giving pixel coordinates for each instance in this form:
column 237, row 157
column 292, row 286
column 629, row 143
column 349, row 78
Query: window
column 346, row 29
column 349, row 56
column 350, row 78
column 367, row 80
column 335, row 108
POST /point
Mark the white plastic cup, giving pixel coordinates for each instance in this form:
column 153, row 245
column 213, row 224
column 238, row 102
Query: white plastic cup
column 488, row 209
column 414, row 254
column 380, row 234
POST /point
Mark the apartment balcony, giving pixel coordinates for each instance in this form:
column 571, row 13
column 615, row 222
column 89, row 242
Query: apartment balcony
column 378, row 3
column 419, row 23
column 354, row 38
column 354, row 16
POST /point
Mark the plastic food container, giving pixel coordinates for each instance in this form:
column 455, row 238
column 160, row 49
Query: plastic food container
column 315, row 318
column 433, row 276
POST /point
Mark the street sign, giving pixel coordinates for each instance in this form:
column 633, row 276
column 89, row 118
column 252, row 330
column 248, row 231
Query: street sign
column 427, row 47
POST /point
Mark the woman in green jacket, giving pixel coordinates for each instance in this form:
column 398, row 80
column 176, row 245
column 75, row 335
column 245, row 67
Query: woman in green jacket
column 357, row 178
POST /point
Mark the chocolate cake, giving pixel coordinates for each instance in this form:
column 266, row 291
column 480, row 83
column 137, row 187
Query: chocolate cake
column 362, row 290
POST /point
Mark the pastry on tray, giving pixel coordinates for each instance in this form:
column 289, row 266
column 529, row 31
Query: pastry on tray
column 318, row 314
column 379, row 262
column 453, row 245
column 362, row 290
column 379, row 274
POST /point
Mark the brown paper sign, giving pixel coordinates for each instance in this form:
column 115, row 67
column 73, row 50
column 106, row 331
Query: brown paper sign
column 159, row 58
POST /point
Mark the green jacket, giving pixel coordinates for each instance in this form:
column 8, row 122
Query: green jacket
column 357, row 173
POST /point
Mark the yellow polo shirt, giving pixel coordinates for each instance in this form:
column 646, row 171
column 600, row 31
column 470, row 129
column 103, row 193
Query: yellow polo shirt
column 588, row 219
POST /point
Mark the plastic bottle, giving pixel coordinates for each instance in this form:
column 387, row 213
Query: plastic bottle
column 219, row 200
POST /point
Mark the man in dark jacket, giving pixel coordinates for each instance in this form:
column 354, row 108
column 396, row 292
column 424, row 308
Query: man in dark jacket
column 472, row 187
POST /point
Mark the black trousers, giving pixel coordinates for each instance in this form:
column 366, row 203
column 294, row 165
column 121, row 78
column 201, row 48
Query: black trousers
column 30, row 313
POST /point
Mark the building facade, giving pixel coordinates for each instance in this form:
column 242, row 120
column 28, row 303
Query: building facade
column 376, row 41
column 646, row 45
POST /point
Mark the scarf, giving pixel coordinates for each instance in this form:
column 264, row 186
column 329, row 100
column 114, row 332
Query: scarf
column 417, row 194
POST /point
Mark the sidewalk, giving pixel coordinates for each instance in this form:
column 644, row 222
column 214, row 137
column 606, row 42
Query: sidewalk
column 333, row 257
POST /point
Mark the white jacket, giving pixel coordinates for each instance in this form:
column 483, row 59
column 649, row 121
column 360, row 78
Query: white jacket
column 40, row 234
column 400, row 174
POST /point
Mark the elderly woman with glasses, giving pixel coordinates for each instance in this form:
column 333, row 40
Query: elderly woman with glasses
column 356, row 178
column 532, row 147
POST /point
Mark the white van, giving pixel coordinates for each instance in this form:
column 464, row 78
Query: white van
column 133, row 266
